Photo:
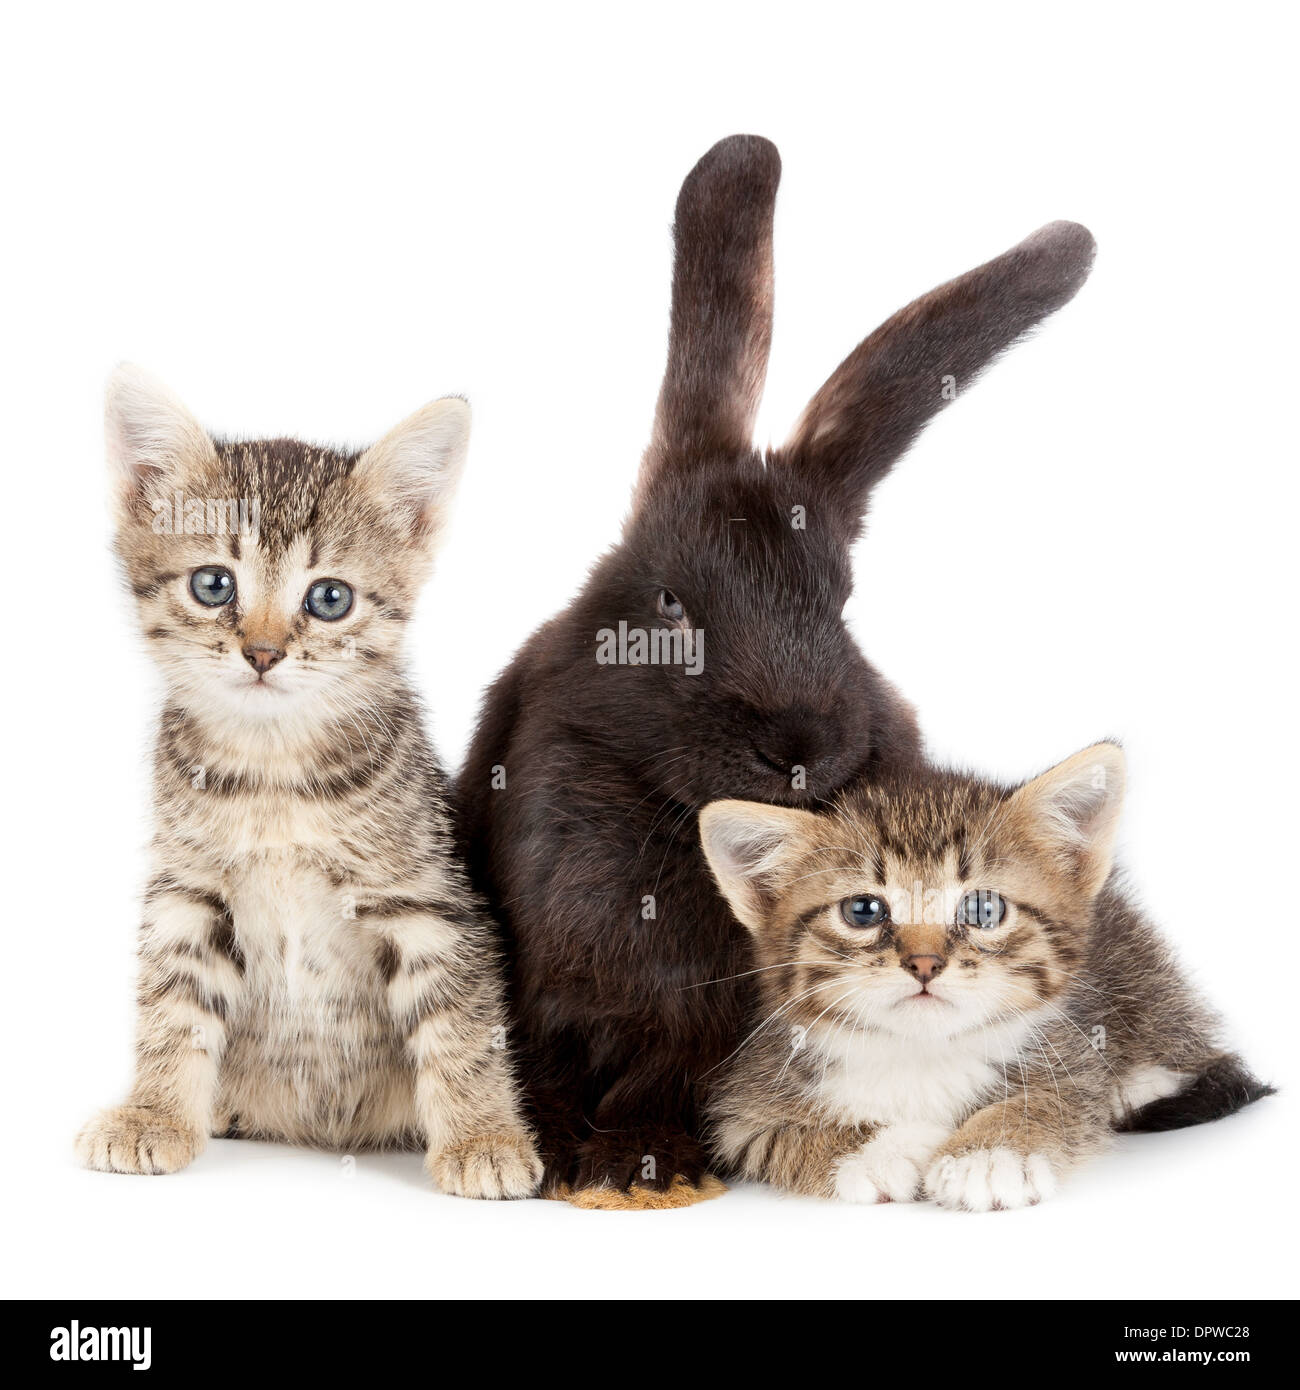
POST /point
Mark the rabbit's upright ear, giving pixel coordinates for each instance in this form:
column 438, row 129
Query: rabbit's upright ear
column 883, row 394
column 722, row 303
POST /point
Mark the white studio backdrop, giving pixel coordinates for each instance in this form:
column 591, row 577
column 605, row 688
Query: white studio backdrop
column 310, row 219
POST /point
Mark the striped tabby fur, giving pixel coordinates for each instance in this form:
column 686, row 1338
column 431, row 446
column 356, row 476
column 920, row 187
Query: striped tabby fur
column 924, row 1055
column 313, row 965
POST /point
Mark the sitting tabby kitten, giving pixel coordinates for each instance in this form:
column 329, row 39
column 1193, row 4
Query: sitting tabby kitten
column 313, row 965
column 956, row 999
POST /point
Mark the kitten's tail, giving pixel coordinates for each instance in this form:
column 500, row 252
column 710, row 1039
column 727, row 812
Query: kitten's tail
column 1221, row 1088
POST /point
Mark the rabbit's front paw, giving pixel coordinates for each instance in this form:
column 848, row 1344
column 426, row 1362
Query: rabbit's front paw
column 999, row 1179
column 137, row 1139
column 888, row 1167
column 489, row 1166
column 623, row 1169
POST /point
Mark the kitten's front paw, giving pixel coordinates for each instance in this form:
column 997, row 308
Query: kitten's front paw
column 489, row 1166
column 888, row 1167
column 990, row 1180
column 135, row 1139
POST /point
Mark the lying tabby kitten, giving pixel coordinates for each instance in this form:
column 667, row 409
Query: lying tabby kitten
column 957, row 1000
column 313, row 965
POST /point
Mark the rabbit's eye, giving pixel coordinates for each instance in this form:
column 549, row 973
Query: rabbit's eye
column 670, row 606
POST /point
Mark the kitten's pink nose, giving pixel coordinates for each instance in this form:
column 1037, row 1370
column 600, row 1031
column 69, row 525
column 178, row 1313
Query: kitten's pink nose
column 925, row 968
column 261, row 658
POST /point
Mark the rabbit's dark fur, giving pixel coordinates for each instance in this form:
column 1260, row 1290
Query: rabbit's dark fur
column 588, row 853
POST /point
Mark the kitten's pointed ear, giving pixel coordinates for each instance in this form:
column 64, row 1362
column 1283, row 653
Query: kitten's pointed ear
column 1072, row 812
column 884, row 393
column 417, row 466
column 721, row 327
column 751, row 848
column 149, row 435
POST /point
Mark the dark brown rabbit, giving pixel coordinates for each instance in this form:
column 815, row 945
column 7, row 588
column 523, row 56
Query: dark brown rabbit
column 579, row 797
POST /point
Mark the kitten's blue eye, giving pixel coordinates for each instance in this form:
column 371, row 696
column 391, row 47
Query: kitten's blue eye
column 212, row 585
column 328, row 599
column 866, row 911
column 982, row 908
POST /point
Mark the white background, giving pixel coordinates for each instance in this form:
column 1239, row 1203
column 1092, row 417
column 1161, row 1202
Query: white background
column 311, row 219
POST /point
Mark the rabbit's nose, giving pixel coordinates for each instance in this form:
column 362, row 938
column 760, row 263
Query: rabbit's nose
column 796, row 739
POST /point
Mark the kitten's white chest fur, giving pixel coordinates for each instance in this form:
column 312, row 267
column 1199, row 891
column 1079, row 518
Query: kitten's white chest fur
column 313, row 1054
column 285, row 911
column 884, row 1079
